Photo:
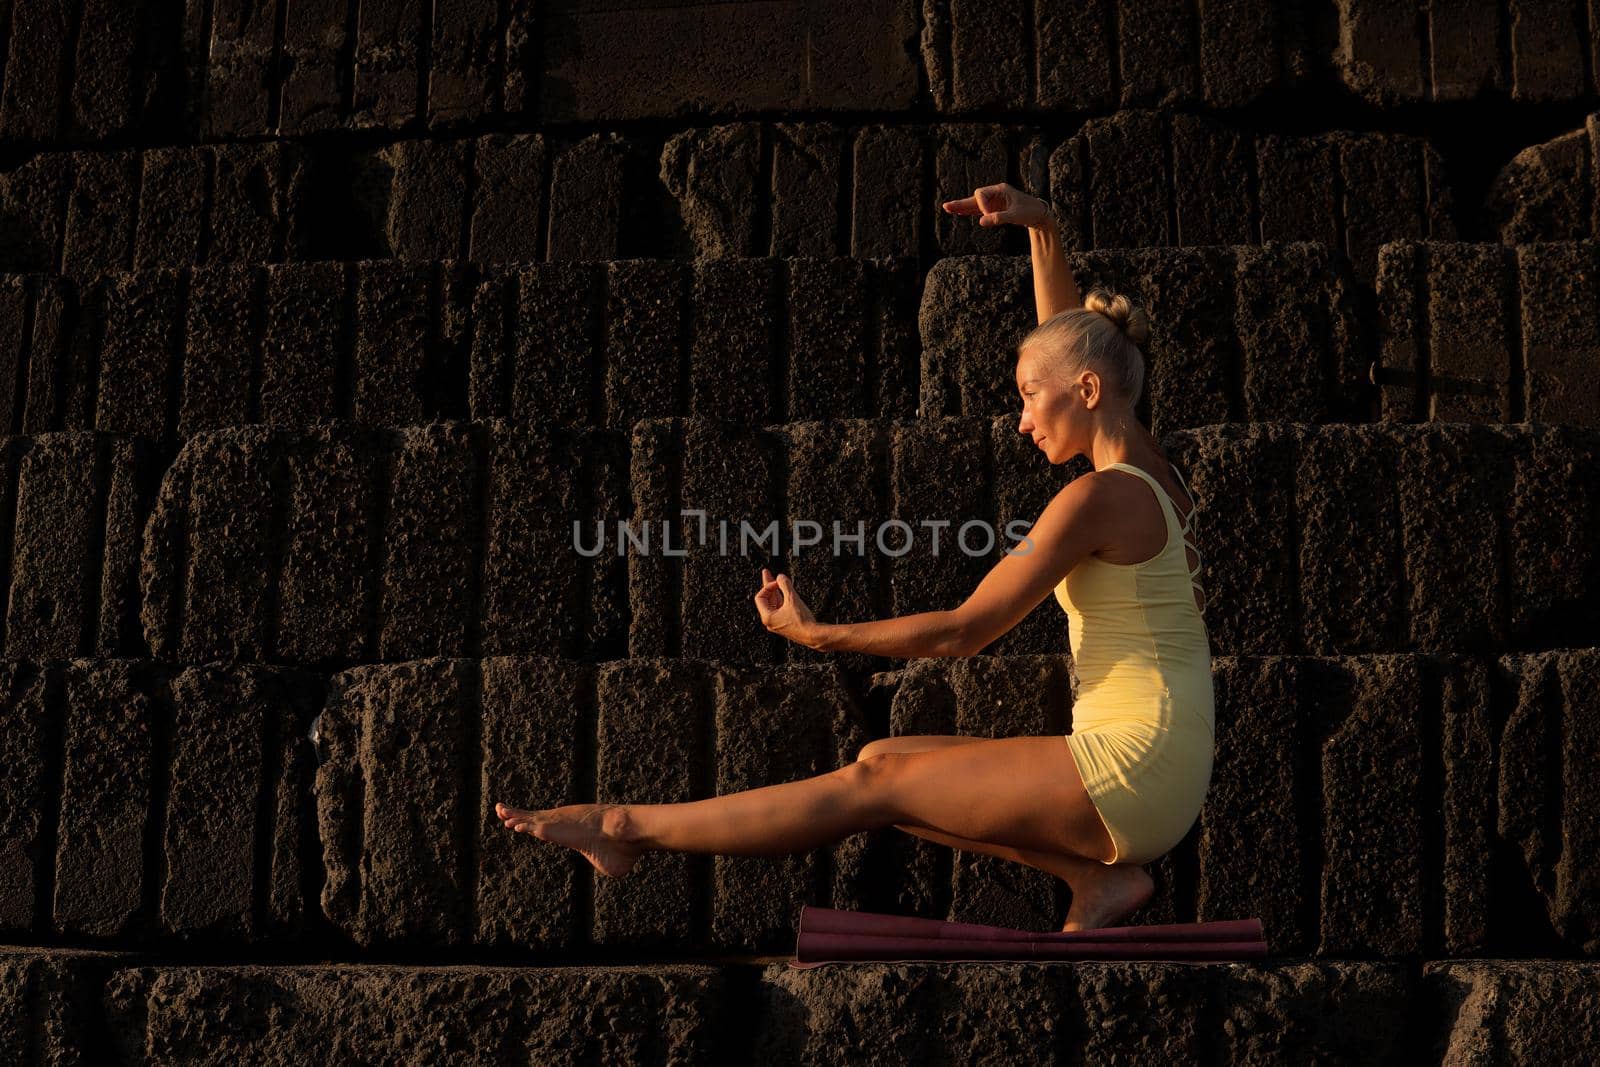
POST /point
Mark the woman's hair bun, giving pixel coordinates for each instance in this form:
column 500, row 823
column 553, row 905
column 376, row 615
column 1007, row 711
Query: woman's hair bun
column 1129, row 318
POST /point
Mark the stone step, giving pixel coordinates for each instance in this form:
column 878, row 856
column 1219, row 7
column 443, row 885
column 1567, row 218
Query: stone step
column 122, row 1008
column 1244, row 333
column 1324, row 539
column 1394, row 806
column 216, row 71
column 813, row 188
column 346, row 543
column 1488, row 332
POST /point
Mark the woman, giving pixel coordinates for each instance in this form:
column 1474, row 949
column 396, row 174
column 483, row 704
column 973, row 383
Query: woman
column 1114, row 548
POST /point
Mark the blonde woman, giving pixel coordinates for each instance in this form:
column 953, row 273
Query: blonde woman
column 1115, row 548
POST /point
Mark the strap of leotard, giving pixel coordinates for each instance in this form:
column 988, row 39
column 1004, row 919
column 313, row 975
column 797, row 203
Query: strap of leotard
column 1194, row 506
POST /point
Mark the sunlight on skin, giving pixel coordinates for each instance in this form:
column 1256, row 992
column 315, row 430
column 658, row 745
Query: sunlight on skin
column 577, row 827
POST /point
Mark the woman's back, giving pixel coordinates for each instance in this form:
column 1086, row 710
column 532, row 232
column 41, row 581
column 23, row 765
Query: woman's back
column 1138, row 637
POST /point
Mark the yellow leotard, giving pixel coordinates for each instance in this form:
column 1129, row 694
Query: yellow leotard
column 1143, row 719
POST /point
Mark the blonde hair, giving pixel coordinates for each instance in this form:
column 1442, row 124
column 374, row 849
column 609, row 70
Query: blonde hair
column 1105, row 333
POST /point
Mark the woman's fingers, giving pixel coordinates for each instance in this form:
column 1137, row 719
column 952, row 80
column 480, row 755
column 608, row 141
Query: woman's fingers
column 993, row 204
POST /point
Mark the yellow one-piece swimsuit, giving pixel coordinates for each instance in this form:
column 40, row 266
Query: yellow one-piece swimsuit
column 1144, row 715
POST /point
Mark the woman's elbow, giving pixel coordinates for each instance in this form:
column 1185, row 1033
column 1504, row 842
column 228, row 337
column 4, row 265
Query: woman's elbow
column 968, row 639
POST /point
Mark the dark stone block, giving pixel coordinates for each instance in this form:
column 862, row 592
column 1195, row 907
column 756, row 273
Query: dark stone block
column 1257, row 854
column 827, row 302
column 1559, row 349
column 1372, row 825
column 431, row 541
column 143, row 330
column 651, row 747
column 1242, row 47
column 1377, row 54
column 508, row 210
column 1350, row 555
column 392, row 365
column 1158, row 61
column 732, row 473
column 799, row 722
column 887, row 211
column 172, row 207
column 223, row 332
column 644, row 343
column 30, row 103
column 462, row 66
column 536, row 716
column 554, row 344
column 1213, row 166
column 1295, row 188
column 27, row 743
column 835, row 469
column 53, row 562
column 1542, row 1009
column 712, row 175
column 1127, row 155
column 1454, row 481
column 588, row 183
column 330, row 503
column 239, row 77
column 387, row 60
column 390, row 795
column 227, row 589
column 1076, row 54
column 314, row 79
column 735, row 304
column 937, row 482
column 427, row 198
column 107, row 789
column 257, row 190
column 1470, row 291
column 304, row 344
column 229, row 729
column 966, row 158
column 99, row 222
column 808, row 172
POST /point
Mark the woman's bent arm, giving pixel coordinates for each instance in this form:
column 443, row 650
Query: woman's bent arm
column 1069, row 528
column 1054, row 288
column 925, row 634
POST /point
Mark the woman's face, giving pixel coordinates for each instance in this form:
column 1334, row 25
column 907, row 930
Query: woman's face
column 1049, row 413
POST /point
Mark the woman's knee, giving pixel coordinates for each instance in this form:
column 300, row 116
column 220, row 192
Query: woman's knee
column 904, row 743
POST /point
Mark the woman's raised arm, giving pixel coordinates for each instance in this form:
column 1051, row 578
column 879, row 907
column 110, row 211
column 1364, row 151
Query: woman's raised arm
column 1054, row 287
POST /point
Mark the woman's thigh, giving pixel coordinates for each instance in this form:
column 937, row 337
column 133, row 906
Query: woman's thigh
column 1023, row 792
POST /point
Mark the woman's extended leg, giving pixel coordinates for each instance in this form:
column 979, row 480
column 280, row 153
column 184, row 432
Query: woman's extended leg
column 773, row 820
column 1015, row 792
column 1020, row 792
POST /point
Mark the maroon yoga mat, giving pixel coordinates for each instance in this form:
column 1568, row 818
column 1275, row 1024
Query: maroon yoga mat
column 833, row 935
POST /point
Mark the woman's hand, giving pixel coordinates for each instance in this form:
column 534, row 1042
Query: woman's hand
column 782, row 610
column 1002, row 203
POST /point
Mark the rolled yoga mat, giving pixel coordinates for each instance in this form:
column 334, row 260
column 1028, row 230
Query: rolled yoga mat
column 833, row 935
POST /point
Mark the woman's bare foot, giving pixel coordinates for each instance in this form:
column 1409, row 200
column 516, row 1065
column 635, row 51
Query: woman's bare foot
column 1109, row 897
column 596, row 830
